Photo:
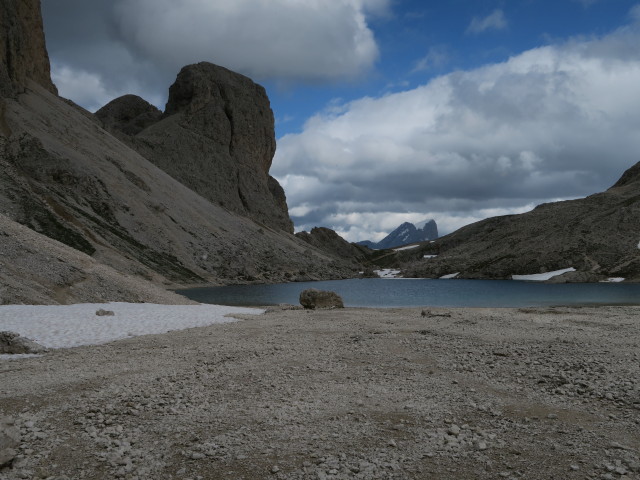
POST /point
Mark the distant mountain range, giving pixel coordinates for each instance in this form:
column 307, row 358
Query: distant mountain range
column 405, row 234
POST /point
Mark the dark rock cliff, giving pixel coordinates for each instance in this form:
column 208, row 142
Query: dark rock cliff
column 23, row 55
column 68, row 179
column 216, row 136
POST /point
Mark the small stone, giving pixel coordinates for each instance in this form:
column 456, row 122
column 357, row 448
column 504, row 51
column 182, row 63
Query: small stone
column 275, row 469
column 454, row 430
column 575, row 468
column 105, row 313
column 482, row 446
column 392, row 443
column 197, row 456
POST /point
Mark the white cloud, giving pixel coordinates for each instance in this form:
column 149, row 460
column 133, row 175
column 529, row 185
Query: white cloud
column 634, row 13
column 555, row 122
column 85, row 88
column 314, row 40
column 496, row 20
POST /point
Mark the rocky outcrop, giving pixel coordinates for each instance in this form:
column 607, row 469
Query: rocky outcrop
column 216, row 136
column 13, row 343
column 598, row 236
column 128, row 114
column 313, row 299
column 329, row 241
column 23, row 55
column 106, row 224
column 405, row 234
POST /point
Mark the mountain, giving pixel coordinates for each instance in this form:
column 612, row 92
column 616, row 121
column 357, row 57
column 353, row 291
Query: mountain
column 405, row 234
column 597, row 235
column 115, row 192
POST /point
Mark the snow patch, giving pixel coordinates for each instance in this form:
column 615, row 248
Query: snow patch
column 387, row 273
column 430, row 256
column 64, row 326
column 613, row 280
column 451, row 275
column 541, row 277
column 405, row 248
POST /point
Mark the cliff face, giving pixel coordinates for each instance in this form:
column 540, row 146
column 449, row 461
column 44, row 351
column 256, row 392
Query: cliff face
column 118, row 215
column 23, row 54
column 598, row 236
column 216, row 137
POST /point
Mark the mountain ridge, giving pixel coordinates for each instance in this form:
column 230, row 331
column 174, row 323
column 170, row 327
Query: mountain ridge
column 405, row 234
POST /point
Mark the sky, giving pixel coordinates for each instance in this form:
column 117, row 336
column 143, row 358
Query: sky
column 390, row 110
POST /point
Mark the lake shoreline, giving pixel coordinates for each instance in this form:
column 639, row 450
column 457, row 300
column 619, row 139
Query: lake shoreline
column 356, row 393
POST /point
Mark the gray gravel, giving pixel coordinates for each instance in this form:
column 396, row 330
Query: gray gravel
column 341, row 394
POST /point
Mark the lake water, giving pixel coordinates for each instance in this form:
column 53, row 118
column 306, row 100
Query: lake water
column 379, row 292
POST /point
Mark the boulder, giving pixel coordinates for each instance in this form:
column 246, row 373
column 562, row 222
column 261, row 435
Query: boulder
column 313, row 298
column 13, row 343
column 9, row 441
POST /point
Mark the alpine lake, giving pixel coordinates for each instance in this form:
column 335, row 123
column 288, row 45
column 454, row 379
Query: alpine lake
column 389, row 293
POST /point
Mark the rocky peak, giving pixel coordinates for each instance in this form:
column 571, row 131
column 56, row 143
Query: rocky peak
column 129, row 114
column 23, row 54
column 216, row 136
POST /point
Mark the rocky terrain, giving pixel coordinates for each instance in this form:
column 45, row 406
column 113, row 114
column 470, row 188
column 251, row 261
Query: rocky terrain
column 405, row 234
column 81, row 180
column 340, row 394
column 597, row 235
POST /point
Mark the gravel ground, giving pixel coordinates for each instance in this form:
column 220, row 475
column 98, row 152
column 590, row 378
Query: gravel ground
column 342, row 394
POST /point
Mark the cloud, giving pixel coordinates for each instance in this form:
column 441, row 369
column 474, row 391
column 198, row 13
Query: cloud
column 313, row 41
column 437, row 57
column 496, row 20
column 555, row 122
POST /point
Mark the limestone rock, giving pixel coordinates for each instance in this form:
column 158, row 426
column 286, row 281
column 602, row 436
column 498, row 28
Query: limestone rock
column 405, row 234
column 9, row 441
column 12, row 343
column 23, row 55
column 216, row 136
column 313, row 298
column 129, row 114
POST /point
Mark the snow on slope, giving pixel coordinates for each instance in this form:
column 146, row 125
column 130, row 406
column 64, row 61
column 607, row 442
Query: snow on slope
column 541, row 277
column 63, row 326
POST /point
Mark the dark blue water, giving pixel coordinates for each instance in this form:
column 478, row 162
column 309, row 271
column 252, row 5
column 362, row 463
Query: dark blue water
column 378, row 292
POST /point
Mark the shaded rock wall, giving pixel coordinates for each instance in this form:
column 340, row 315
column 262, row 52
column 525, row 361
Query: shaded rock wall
column 23, row 54
column 216, row 137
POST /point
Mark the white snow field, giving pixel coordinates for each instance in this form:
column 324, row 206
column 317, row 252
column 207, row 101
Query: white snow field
column 541, row 277
column 450, row 276
column 410, row 247
column 63, row 326
column 387, row 273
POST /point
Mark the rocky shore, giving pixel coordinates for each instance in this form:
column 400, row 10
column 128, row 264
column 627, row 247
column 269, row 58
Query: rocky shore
column 340, row 394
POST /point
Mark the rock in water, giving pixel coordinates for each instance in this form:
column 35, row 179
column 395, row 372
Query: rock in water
column 313, row 298
column 13, row 343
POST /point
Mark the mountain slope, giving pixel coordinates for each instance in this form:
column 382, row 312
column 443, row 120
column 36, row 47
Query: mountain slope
column 65, row 177
column 598, row 236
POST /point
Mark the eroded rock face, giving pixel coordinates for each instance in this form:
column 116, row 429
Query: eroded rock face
column 216, row 137
column 23, row 55
column 313, row 299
